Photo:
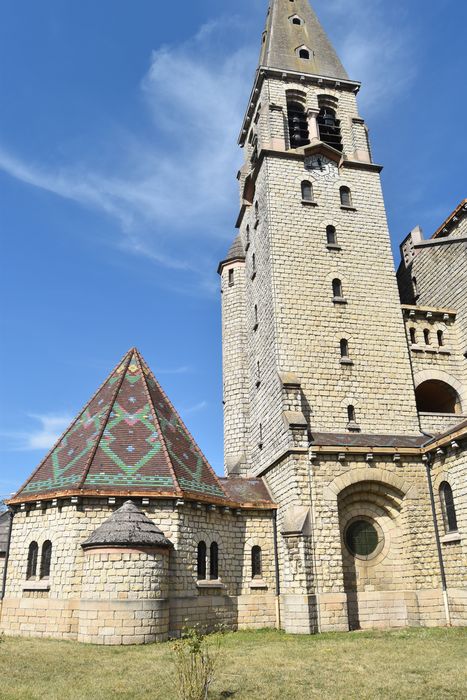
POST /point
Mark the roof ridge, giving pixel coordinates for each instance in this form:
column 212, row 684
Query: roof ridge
column 193, row 441
column 140, row 361
column 70, row 426
column 92, row 453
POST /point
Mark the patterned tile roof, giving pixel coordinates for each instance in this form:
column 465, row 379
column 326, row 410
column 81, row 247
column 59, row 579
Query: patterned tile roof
column 128, row 440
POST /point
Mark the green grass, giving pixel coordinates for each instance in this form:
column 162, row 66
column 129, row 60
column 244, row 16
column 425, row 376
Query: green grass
column 413, row 663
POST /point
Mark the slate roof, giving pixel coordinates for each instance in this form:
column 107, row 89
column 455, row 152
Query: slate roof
column 128, row 440
column 283, row 38
column 127, row 526
column 4, row 527
column 235, row 252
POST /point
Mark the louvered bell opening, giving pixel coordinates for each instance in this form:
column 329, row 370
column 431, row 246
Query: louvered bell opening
column 329, row 129
column 298, row 125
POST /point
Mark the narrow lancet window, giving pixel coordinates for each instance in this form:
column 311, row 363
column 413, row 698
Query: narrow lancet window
column 448, row 507
column 46, row 559
column 214, row 561
column 201, row 562
column 337, row 289
column 307, row 191
column 32, row 560
column 256, row 562
column 346, row 197
column 331, row 235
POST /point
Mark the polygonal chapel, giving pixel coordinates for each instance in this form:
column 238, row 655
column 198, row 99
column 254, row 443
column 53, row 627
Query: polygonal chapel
column 344, row 499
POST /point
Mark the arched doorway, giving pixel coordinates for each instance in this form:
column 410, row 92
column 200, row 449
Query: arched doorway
column 371, row 541
column 436, row 396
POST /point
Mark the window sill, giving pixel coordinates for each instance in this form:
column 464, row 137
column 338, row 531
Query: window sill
column 451, row 537
column 258, row 583
column 339, row 300
column 347, row 208
column 214, row 584
column 36, row 586
column 432, row 351
column 353, row 428
column 333, row 246
column 346, row 361
column 309, row 203
column 442, row 351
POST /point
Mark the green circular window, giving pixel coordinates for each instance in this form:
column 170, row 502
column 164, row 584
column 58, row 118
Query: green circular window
column 361, row 538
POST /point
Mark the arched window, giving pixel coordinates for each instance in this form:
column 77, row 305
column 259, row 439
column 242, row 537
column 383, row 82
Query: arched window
column 32, row 560
column 346, row 197
column 298, row 124
column 351, row 414
column 247, row 237
column 307, row 191
column 413, row 336
column 440, row 339
column 256, row 562
column 435, row 396
column 201, row 562
column 331, row 235
column 46, row 559
column 447, row 507
column 304, row 53
column 214, row 561
column 415, row 286
column 329, row 128
column 231, row 278
column 344, row 348
column 337, row 290
column 426, row 335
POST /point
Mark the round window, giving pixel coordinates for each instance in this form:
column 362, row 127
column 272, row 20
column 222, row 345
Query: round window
column 361, row 538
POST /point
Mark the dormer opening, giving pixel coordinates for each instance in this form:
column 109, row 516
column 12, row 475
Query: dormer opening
column 295, row 19
column 304, row 52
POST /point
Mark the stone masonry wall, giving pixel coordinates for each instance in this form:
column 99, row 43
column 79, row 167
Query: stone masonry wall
column 124, row 596
column 53, row 610
column 452, row 467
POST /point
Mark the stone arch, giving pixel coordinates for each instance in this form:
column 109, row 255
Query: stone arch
column 365, row 474
column 372, row 500
column 444, row 382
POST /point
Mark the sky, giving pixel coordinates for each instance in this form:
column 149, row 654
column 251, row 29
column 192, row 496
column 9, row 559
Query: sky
column 118, row 192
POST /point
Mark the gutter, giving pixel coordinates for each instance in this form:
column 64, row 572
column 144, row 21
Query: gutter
column 277, row 574
column 7, row 555
column 447, row 612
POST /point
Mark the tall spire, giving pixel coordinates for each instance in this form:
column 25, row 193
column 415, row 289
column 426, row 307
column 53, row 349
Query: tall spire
column 293, row 31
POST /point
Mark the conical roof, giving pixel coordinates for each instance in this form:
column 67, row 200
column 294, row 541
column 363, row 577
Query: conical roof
column 128, row 526
column 128, row 440
column 284, row 38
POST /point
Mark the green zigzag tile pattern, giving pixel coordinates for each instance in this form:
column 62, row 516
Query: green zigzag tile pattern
column 128, row 437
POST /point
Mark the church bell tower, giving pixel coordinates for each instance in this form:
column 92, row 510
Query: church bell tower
column 313, row 339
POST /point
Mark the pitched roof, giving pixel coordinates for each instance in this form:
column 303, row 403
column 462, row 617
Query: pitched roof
column 128, row 440
column 127, row 526
column 283, row 39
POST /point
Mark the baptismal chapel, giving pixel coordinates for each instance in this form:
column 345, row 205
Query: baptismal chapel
column 344, row 499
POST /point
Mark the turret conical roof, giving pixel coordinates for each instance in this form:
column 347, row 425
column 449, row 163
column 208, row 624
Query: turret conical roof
column 294, row 25
column 128, row 440
column 128, row 526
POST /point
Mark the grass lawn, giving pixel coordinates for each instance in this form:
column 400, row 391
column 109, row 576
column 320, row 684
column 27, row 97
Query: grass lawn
column 265, row 665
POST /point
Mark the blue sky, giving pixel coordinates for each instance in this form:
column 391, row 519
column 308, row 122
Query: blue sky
column 118, row 156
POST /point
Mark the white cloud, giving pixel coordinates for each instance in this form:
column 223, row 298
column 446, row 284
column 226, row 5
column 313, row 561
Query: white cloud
column 41, row 437
column 376, row 47
column 174, row 191
column 194, row 409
